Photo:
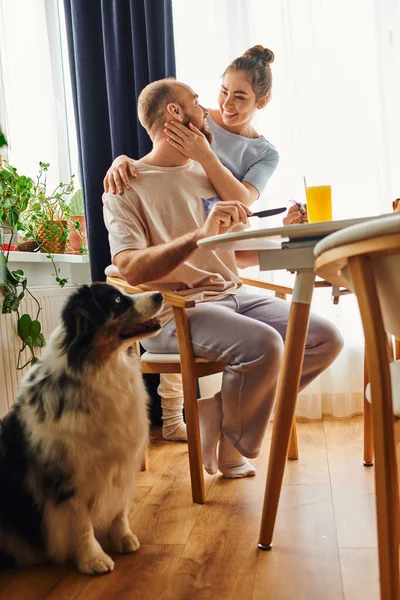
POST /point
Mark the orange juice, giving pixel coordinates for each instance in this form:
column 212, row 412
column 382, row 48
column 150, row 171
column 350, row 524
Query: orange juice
column 319, row 203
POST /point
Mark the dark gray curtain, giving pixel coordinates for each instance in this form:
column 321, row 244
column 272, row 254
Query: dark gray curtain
column 116, row 47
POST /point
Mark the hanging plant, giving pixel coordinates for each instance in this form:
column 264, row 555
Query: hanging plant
column 13, row 285
column 26, row 206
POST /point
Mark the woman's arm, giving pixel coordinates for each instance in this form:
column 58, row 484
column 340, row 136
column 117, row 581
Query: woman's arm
column 193, row 144
column 226, row 184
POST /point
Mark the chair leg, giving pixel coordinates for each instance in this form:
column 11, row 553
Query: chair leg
column 390, row 347
column 396, row 349
column 190, row 402
column 386, row 483
column 193, row 437
column 368, row 431
column 293, row 450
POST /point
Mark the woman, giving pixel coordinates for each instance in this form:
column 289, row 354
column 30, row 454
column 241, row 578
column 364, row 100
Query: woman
column 239, row 164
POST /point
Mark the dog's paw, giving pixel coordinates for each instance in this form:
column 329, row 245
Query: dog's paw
column 96, row 565
column 128, row 543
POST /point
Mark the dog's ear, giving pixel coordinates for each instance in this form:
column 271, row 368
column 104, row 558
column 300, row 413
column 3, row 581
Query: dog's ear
column 82, row 317
column 83, row 308
column 88, row 309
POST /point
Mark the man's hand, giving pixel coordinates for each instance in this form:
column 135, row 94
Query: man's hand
column 296, row 214
column 117, row 175
column 223, row 217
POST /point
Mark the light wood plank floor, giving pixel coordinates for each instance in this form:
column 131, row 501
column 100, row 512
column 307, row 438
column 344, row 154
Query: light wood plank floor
column 324, row 545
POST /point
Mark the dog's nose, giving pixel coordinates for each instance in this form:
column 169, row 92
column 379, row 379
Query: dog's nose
column 158, row 297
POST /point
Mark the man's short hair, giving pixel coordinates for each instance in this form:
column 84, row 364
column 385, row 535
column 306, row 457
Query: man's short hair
column 152, row 102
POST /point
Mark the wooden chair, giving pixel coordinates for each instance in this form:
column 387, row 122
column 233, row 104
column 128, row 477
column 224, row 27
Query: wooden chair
column 366, row 258
column 192, row 368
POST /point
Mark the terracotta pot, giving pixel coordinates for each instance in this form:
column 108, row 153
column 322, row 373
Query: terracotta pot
column 76, row 238
column 54, row 245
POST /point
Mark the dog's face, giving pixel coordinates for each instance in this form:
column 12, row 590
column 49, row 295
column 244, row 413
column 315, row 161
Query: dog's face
column 99, row 319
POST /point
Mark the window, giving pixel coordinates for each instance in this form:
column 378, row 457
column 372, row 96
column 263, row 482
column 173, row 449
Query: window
column 36, row 102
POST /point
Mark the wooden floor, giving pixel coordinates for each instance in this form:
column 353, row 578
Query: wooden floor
column 324, row 545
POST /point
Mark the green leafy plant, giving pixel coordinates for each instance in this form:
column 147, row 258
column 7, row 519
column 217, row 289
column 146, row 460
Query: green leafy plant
column 15, row 192
column 13, row 285
column 26, row 206
column 46, row 218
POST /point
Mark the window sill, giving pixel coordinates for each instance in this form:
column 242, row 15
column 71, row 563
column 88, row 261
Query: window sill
column 41, row 257
column 39, row 269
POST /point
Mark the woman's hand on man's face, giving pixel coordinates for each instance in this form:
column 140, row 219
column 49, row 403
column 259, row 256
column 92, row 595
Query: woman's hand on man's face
column 189, row 140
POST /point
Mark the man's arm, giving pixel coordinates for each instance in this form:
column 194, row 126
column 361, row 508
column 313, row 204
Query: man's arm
column 150, row 264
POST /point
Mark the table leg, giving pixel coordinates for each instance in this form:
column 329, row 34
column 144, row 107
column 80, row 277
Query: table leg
column 288, row 387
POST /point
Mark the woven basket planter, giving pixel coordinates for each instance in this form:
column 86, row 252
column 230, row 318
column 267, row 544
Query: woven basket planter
column 51, row 238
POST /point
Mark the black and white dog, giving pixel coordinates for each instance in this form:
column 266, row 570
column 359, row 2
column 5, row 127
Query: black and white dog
column 73, row 442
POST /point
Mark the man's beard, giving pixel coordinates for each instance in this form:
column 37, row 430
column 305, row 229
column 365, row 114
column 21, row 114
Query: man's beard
column 208, row 134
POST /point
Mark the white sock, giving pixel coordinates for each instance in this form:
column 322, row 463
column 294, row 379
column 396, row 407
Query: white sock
column 210, row 417
column 231, row 463
column 174, row 427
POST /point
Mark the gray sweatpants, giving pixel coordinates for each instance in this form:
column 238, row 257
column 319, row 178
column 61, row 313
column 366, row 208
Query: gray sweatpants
column 247, row 332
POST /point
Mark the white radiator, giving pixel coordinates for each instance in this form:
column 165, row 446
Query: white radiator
column 51, row 300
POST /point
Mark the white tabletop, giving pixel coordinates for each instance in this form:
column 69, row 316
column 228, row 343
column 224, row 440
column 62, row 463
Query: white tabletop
column 269, row 239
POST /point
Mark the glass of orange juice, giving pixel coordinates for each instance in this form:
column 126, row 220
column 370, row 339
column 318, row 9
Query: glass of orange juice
column 319, row 203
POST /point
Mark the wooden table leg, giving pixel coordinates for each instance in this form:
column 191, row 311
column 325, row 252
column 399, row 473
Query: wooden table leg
column 286, row 401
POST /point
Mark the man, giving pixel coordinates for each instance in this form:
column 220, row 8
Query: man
column 153, row 230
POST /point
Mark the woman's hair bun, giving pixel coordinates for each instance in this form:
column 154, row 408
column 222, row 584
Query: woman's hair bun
column 261, row 53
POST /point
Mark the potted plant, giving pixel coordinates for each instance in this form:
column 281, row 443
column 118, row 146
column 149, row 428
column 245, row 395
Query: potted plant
column 15, row 194
column 42, row 218
column 46, row 219
column 78, row 238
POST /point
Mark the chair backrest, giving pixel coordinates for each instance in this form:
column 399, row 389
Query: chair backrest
column 379, row 239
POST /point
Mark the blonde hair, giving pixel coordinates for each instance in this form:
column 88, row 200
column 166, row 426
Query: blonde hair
column 152, row 102
column 255, row 62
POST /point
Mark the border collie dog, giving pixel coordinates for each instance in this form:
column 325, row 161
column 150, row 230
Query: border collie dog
column 73, row 442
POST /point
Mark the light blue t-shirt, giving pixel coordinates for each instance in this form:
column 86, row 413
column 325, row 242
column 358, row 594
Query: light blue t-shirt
column 251, row 160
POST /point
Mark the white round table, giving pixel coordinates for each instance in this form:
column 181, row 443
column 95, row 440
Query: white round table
column 289, row 248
